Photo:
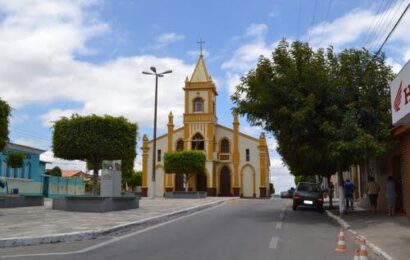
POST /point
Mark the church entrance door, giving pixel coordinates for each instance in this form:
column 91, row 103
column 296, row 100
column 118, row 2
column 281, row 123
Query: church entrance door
column 179, row 182
column 225, row 182
column 201, row 182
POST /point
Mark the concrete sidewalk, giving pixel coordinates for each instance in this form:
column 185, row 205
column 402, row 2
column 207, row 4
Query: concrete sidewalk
column 24, row 224
column 391, row 234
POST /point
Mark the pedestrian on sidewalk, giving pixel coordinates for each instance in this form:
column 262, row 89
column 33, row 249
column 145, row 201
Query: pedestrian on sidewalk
column 349, row 189
column 373, row 189
column 342, row 208
column 391, row 195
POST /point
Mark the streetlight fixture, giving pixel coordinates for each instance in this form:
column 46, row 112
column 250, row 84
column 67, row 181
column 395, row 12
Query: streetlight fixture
column 154, row 150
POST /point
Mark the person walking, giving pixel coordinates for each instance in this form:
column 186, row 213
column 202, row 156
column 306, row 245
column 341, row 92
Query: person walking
column 373, row 189
column 341, row 190
column 349, row 189
column 391, row 195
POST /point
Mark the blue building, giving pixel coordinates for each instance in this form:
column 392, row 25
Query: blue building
column 27, row 179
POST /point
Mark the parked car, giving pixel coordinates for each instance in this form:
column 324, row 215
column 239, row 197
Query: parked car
column 308, row 194
column 285, row 194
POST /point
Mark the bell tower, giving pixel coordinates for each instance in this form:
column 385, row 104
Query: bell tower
column 200, row 108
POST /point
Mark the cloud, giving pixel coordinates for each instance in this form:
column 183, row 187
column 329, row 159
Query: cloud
column 40, row 41
column 355, row 28
column 246, row 55
column 48, row 156
column 40, row 144
column 166, row 39
column 195, row 53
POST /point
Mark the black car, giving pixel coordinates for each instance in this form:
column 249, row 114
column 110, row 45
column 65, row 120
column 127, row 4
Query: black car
column 308, row 194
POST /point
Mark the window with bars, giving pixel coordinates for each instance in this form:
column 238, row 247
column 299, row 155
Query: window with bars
column 198, row 142
column 180, row 145
column 198, row 105
column 159, row 155
column 224, row 145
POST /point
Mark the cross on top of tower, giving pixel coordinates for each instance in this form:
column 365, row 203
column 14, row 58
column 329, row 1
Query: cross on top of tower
column 201, row 43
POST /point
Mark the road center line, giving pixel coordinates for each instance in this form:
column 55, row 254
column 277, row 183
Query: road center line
column 282, row 215
column 273, row 243
column 279, row 225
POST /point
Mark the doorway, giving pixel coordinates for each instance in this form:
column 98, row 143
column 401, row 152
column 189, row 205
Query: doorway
column 225, row 182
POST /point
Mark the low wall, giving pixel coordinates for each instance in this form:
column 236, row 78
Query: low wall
column 12, row 201
column 25, row 186
column 60, row 186
column 186, row 194
column 95, row 204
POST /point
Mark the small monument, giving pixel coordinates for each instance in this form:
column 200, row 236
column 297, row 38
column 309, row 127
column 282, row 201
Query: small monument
column 111, row 179
column 110, row 198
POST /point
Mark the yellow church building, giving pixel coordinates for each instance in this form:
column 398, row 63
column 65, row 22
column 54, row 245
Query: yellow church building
column 237, row 164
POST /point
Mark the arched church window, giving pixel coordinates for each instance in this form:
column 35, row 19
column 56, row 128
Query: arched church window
column 224, row 145
column 198, row 104
column 180, row 145
column 198, row 142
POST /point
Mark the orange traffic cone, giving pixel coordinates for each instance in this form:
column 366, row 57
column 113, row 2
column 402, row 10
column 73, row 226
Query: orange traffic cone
column 357, row 255
column 363, row 251
column 341, row 243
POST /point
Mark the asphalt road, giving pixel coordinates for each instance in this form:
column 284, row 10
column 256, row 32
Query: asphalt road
column 242, row 229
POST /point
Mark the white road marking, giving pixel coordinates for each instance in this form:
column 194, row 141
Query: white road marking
column 273, row 243
column 282, row 215
column 113, row 240
column 279, row 225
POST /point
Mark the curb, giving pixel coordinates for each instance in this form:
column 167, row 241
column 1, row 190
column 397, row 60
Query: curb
column 375, row 249
column 93, row 234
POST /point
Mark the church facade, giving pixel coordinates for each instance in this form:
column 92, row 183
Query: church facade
column 236, row 164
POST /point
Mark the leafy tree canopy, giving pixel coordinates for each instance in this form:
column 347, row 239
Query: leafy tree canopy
column 94, row 139
column 325, row 109
column 15, row 159
column 187, row 163
column 4, row 123
column 56, row 171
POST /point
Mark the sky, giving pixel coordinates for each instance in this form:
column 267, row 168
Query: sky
column 86, row 56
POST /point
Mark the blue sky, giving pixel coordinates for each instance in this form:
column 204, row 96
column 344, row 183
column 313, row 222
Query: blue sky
column 79, row 56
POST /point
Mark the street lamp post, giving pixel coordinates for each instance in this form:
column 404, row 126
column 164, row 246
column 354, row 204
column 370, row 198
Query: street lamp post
column 154, row 146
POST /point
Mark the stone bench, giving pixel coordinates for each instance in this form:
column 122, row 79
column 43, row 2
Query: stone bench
column 95, row 204
column 14, row 201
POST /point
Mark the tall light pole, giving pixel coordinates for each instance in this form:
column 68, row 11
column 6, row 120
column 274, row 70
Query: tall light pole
column 154, row 146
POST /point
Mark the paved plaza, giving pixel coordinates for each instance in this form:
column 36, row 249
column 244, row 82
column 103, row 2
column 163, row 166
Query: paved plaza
column 44, row 221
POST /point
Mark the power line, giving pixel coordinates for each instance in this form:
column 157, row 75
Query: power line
column 325, row 19
column 376, row 30
column 393, row 29
column 372, row 26
column 384, row 27
column 314, row 17
column 300, row 9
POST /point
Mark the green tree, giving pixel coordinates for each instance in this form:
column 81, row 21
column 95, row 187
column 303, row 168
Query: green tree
column 187, row 163
column 56, row 171
column 15, row 159
column 271, row 188
column 127, row 170
column 94, row 139
column 4, row 123
column 326, row 110
column 302, row 178
column 135, row 179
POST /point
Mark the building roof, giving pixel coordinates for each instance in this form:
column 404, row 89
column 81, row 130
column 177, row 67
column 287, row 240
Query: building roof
column 24, row 148
column 71, row 173
column 200, row 73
